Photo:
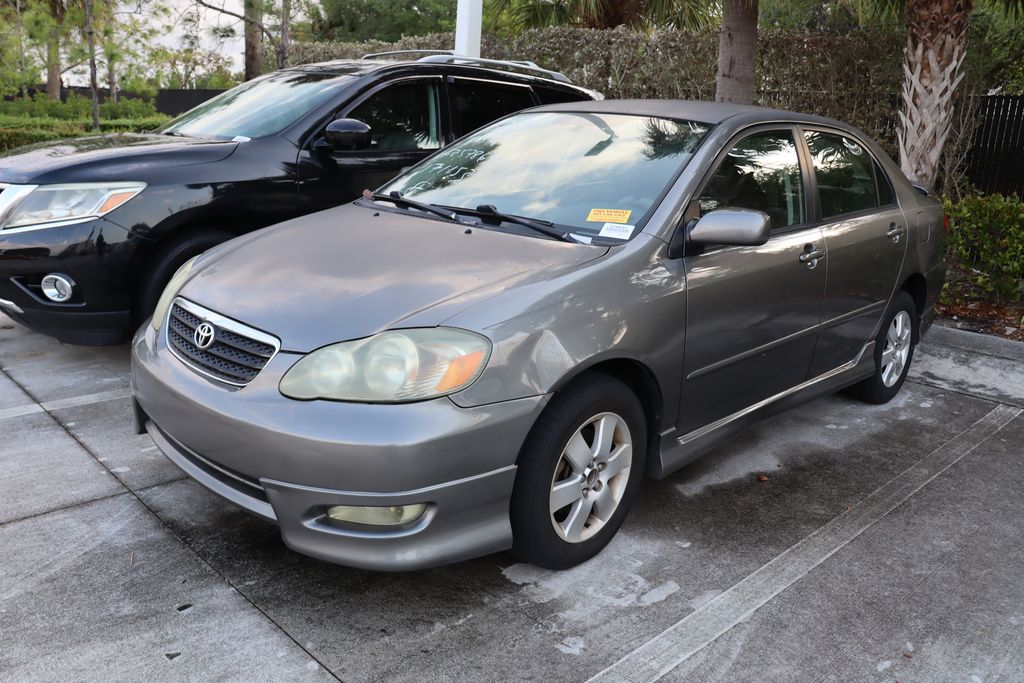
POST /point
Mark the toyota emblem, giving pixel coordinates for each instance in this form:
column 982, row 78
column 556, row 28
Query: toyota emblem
column 204, row 335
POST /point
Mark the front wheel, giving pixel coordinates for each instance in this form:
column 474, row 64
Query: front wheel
column 894, row 350
column 578, row 473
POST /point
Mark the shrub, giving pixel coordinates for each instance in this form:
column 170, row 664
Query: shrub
column 850, row 76
column 987, row 236
column 127, row 108
column 16, row 131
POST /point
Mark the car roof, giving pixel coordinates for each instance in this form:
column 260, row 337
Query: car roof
column 712, row 113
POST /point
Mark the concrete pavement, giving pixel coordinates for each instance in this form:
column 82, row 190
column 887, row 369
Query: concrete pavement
column 885, row 545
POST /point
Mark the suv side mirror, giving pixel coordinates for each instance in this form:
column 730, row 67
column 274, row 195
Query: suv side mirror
column 342, row 134
column 732, row 227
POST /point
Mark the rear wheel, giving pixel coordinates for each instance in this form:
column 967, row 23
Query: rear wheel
column 165, row 263
column 578, row 473
column 894, row 350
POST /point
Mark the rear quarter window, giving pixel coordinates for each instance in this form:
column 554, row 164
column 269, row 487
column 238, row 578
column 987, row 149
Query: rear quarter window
column 558, row 95
column 477, row 103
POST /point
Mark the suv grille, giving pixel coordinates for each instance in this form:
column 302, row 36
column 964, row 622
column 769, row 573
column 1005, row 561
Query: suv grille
column 237, row 352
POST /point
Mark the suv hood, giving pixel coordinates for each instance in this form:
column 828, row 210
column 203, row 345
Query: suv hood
column 352, row 271
column 106, row 157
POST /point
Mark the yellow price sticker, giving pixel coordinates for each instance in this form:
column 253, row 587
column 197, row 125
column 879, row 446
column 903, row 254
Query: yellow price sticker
column 609, row 215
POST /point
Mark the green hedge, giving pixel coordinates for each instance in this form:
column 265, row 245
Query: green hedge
column 16, row 131
column 76, row 108
column 853, row 76
column 986, row 238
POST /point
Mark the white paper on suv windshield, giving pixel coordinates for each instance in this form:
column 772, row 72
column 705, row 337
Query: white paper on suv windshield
column 586, row 171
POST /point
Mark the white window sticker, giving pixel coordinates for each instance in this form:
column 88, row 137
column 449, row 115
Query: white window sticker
column 616, row 231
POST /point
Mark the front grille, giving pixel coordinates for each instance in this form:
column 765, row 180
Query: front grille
column 237, row 354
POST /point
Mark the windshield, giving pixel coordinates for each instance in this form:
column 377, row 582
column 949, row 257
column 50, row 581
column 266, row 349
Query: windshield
column 597, row 174
column 260, row 107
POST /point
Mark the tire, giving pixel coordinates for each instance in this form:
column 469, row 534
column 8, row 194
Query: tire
column 162, row 266
column 592, row 404
column 893, row 336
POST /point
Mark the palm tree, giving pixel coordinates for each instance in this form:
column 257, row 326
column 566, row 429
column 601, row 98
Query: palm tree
column 736, row 79
column 932, row 71
column 58, row 11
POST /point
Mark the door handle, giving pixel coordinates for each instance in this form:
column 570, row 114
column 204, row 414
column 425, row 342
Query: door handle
column 895, row 232
column 811, row 255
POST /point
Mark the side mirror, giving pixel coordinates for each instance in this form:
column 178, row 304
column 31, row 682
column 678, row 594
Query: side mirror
column 732, row 227
column 345, row 134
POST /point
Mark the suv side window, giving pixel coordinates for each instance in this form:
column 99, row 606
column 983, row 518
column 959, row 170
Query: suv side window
column 402, row 117
column 557, row 95
column 762, row 172
column 477, row 103
column 845, row 173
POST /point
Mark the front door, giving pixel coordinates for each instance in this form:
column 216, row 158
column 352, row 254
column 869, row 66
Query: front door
column 865, row 235
column 404, row 118
column 752, row 312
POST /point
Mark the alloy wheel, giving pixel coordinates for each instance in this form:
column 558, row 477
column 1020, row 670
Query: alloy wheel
column 590, row 477
column 897, row 348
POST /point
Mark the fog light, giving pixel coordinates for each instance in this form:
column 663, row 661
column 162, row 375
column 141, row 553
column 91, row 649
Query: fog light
column 57, row 287
column 392, row 515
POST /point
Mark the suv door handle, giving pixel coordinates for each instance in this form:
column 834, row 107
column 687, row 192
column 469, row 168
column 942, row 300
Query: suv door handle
column 811, row 255
column 895, row 231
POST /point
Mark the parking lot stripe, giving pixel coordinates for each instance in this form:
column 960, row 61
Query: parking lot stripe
column 18, row 411
column 86, row 399
column 679, row 642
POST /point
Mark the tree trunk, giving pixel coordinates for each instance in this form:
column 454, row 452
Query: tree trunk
column 284, row 42
column 57, row 12
column 253, row 38
column 94, row 86
column 936, row 45
column 737, row 52
column 112, row 80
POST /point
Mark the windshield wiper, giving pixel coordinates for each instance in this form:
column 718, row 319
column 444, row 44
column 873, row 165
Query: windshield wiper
column 398, row 200
column 548, row 228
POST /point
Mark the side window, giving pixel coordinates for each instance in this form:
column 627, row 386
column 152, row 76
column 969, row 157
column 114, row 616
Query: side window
column 477, row 103
column 845, row 174
column 886, row 197
column 761, row 172
column 402, row 117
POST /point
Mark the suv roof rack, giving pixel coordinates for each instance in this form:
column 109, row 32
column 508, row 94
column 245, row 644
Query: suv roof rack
column 392, row 53
column 513, row 65
column 449, row 57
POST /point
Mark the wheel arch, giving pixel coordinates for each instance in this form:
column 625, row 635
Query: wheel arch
column 917, row 287
column 638, row 377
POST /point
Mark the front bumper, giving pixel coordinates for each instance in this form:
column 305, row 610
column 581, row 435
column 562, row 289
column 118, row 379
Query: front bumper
column 288, row 461
column 96, row 254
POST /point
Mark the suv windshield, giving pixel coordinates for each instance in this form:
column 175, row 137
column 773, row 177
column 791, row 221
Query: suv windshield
column 597, row 174
column 260, row 107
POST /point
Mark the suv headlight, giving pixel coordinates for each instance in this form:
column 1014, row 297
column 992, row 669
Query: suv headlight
column 42, row 205
column 391, row 367
column 170, row 291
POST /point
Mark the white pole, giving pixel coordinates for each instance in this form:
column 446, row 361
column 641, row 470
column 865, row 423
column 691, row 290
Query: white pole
column 469, row 17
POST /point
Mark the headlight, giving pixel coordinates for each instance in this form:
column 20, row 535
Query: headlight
column 173, row 285
column 390, row 367
column 43, row 205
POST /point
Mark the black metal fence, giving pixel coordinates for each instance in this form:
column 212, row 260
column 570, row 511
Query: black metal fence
column 996, row 160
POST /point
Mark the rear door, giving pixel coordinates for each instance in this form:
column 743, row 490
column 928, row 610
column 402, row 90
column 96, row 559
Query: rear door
column 865, row 235
column 752, row 312
column 475, row 102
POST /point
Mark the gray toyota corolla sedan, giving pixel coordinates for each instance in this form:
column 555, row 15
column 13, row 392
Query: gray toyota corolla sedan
column 493, row 350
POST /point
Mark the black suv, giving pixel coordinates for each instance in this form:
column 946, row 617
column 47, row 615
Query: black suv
column 92, row 229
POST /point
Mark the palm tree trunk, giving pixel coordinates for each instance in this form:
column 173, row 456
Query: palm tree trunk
column 94, row 85
column 253, row 38
column 284, row 42
column 57, row 12
column 737, row 52
column 932, row 60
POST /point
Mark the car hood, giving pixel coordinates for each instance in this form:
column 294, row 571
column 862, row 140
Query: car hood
column 352, row 271
column 122, row 156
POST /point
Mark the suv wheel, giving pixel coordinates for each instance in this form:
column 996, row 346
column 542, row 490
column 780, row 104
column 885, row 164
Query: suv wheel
column 166, row 262
column 578, row 473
